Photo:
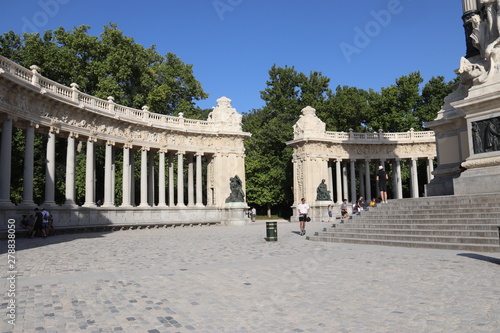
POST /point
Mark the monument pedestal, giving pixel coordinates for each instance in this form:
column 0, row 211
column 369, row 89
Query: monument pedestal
column 234, row 214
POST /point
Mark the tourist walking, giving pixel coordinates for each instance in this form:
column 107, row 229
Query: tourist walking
column 330, row 213
column 382, row 183
column 303, row 209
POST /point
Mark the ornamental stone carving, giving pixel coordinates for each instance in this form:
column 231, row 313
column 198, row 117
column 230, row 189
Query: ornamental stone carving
column 225, row 115
column 309, row 125
column 484, row 19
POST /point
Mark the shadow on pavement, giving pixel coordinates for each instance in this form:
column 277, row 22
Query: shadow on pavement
column 476, row 256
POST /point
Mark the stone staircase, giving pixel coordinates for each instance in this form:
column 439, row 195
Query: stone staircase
column 469, row 223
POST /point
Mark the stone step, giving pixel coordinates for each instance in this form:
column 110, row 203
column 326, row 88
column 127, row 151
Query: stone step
column 487, row 227
column 456, row 220
column 463, row 204
column 445, row 246
column 430, row 232
column 417, row 238
column 427, row 215
column 459, row 223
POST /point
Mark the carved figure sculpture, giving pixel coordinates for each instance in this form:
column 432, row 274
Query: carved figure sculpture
column 236, row 187
column 322, row 193
column 492, row 135
column 486, row 38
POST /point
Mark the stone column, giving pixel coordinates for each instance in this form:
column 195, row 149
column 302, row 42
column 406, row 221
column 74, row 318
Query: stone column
column 132, row 177
column 414, row 178
column 113, row 178
column 344, row 182
column 70, row 171
column 29, row 160
column 353, row 181
column 430, row 169
column 199, row 181
column 50, row 171
column 161, row 180
column 399, row 182
column 6, row 162
column 338, row 178
column 126, row 178
column 90, row 175
column 151, row 178
column 190, row 180
column 361, row 180
column 108, row 176
column 180, row 179
column 171, row 192
column 144, row 177
column 368, row 181
column 330, row 178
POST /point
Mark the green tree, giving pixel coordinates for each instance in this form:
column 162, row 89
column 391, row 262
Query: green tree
column 269, row 170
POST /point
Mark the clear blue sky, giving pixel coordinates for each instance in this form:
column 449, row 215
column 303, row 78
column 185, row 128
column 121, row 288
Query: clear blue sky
column 233, row 43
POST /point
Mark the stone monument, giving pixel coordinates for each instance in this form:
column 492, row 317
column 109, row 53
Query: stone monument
column 468, row 125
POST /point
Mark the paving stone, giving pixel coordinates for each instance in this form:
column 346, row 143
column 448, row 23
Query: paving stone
column 229, row 279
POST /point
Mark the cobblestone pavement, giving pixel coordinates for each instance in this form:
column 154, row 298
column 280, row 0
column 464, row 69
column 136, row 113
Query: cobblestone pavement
column 229, row 279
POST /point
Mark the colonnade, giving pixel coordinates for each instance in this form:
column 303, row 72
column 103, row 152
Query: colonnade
column 41, row 106
column 350, row 179
column 167, row 159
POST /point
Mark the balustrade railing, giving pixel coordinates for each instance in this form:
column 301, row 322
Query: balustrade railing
column 401, row 137
column 96, row 104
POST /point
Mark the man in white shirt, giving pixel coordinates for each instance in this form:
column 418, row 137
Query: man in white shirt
column 303, row 209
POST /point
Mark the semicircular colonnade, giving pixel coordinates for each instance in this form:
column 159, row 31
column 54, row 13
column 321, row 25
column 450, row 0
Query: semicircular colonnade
column 38, row 105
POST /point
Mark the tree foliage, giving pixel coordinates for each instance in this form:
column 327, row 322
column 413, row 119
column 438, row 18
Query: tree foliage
column 111, row 64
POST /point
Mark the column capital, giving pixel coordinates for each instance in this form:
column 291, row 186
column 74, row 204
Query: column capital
column 110, row 143
column 144, row 148
column 92, row 139
column 199, row 154
column 72, row 135
column 54, row 129
column 180, row 152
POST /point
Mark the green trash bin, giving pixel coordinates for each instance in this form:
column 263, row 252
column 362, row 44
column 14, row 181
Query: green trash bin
column 272, row 231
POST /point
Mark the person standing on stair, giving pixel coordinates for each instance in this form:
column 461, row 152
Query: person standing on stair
column 382, row 183
column 303, row 209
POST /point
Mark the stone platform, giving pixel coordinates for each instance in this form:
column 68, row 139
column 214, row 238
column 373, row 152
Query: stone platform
column 229, row 279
